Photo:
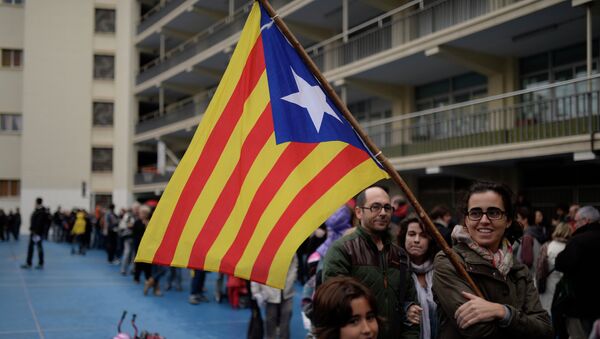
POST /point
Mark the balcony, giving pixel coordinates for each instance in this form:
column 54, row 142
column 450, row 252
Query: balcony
column 151, row 178
column 398, row 27
column 202, row 41
column 175, row 112
column 558, row 110
column 158, row 12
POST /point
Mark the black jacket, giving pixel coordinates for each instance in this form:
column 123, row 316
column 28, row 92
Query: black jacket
column 579, row 262
column 39, row 220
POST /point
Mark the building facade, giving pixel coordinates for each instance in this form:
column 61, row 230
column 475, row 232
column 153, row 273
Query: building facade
column 65, row 105
column 451, row 90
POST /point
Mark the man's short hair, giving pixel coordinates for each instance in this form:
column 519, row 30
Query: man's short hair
column 39, row 201
column 590, row 213
column 361, row 198
column 439, row 211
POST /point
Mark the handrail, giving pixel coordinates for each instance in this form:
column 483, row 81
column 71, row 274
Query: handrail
column 207, row 31
column 357, row 28
column 475, row 102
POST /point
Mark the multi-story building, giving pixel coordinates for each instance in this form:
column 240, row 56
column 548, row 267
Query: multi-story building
column 66, row 109
column 451, row 90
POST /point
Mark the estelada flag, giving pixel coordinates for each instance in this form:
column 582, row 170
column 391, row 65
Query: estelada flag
column 271, row 160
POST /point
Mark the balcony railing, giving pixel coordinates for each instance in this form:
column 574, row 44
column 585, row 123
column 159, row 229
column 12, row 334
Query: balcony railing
column 151, row 178
column 175, row 112
column 557, row 110
column 398, row 27
column 156, row 13
column 198, row 43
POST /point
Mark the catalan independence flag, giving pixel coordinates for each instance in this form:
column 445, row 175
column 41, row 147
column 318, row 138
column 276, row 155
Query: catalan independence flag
column 271, row 160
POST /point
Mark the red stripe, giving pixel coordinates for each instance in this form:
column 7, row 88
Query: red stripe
column 256, row 139
column 293, row 155
column 349, row 158
column 254, row 68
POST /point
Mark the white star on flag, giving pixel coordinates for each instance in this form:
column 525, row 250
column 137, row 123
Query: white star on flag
column 313, row 99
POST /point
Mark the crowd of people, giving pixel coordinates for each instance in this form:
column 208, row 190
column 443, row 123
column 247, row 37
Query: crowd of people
column 384, row 275
column 374, row 270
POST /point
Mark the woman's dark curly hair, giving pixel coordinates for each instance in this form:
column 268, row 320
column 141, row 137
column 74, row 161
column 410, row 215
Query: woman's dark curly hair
column 332, row 305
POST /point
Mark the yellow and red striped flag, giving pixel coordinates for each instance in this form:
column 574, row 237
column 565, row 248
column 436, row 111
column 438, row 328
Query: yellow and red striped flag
column 271, row 160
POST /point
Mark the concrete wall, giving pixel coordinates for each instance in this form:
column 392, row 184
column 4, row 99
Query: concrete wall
column 57, row 103
column 125, row 104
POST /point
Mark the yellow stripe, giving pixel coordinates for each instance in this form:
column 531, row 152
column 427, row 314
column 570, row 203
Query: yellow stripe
column 161, row 217
column 303, row 174
column 360, row 177
column 265, row 160
column 253, row 107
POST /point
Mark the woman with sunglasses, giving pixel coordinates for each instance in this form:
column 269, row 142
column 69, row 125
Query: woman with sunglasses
column 511, row 307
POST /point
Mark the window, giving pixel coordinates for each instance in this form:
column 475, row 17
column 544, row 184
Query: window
column 105, row 20
column 559, row 103
column 102, row 159
column 104, row 67
column 103, row 199
column 461, row 121
column 103, row 114
column 10, row 122
column 13, row 2
column 10, row 188
column 12, row 57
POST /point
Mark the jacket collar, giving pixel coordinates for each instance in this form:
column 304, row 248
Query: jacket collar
column 385, row 239
column 587, row 228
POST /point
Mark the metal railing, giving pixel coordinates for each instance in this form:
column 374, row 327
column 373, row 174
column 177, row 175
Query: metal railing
column 175, row 112
column 557, row 110
column 151, row 178
column 157, row 12
column 399, row 27
column 193, row 46
column 394, row 28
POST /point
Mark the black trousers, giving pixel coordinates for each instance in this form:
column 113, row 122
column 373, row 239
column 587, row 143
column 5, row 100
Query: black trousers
column 40, row 250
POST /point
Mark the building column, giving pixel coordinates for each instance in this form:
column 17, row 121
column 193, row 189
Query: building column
column 161, row 157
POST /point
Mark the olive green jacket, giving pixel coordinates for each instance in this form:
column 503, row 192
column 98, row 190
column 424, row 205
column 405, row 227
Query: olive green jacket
column 527, row 320
column 384, row 272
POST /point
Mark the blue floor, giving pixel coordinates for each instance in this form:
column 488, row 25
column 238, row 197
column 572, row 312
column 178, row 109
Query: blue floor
column 83, row 297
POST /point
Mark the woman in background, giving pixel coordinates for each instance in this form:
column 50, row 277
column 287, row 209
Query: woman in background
column 421, row 249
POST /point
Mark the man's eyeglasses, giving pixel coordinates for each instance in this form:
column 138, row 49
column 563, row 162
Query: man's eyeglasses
column 376, row 208
column 493, row 213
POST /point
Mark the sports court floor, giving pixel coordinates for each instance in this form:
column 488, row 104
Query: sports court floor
column 83, row 297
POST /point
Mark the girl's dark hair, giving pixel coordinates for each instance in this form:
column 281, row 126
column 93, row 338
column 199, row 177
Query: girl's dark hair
column 332, row 305
column 502, row 190
column 432, row 248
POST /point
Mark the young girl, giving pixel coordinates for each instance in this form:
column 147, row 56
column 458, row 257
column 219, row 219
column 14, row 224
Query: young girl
column 344, row 309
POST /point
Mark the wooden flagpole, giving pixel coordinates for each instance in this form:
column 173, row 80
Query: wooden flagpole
column 372, row 147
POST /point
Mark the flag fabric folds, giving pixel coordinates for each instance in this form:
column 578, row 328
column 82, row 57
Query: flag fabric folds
column 271, row 160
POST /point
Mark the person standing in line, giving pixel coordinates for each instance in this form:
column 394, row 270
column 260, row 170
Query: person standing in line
column 511, row 305
column 545, row 267
column 112, row 227
column 139, row 227
column 442, row 219
column 40, row 219
column 532, row 240
column 126, row 234
column 369, row 255
column 3, row 226
column 421, row 249
column 579, row 261
column 279, row 303
column 16, row 224
column 78, row 232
